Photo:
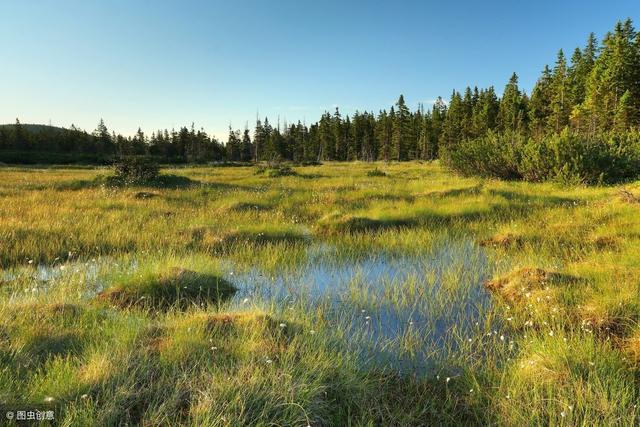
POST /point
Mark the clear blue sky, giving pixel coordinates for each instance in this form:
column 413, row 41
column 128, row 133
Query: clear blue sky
column 159, row 64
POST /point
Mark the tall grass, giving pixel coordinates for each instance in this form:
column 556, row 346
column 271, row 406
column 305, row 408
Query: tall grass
column 417, row 342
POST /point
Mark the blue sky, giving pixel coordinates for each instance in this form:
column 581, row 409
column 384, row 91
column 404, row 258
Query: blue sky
column 160, row 64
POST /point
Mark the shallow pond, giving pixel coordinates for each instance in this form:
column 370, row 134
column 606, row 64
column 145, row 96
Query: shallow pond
column 397, row 311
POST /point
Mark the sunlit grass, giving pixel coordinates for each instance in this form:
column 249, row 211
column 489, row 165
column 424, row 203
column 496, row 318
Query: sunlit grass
column 552, row 340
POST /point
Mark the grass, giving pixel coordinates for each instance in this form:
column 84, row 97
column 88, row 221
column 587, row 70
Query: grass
column 160, row 287
column 467, row 301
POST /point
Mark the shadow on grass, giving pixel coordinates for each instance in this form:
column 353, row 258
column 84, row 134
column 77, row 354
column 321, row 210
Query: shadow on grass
column 335, row 224
column 454, row 192
column 208, row 238
column 536, row 199
column 249, row 207
column 311, row 175
column 162, row 181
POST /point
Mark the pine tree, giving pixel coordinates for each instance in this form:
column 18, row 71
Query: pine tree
column 540, row 105
column 233, row 145
column 103, row 139
column 258, row 140
column 512, row 112
column 560, row 107
column 402, row 133
column 613, row 74
column 19, row 136
column 246, row 149
column 468, row 104
column 139, row 143
column 581, row 65
column 452, row 132
column 339, row 151
column 485, row 112
column 625, row 113
column 326, row 137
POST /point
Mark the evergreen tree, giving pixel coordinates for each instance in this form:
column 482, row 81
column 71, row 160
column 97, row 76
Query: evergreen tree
column 614, row 73
column 103, row 138
column 540, row 105
column 246, row 149
column 233, row 145
column 326, row 137
column 384, row 133
column 402, row 132
column 452, row 132
column 560, row 107
column 512, row 112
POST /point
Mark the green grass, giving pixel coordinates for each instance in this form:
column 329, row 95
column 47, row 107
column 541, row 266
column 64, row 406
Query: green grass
column 133, row 320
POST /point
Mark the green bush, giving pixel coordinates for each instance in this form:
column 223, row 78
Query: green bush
column 495, row 155
column 376, row 172
column 566, row 157
column 136, row 169
column 274, row 170
column 572, row 159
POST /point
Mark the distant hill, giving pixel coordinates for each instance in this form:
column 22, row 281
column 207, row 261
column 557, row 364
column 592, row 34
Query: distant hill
column 35, row 128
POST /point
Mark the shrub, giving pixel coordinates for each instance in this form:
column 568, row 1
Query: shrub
column 566, row 157
column 495, row 155
column 376, row 172
column 136, row 169
column 280, row 171
column 275, row 170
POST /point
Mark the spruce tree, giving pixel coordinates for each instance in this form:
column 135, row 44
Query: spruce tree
column 560, row 107
column 511, row 116
column 402, row 133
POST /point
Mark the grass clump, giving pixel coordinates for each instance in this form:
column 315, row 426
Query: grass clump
column 276, row 171
column 143, row 195
column 503, row 241
column 376, row 172
column 161, row 288
column 522, row 284
column 628, row 197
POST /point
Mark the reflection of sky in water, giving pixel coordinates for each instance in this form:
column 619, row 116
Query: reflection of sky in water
column 380, row 298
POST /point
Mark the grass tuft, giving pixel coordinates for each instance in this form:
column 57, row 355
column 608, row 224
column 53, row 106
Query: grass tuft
column 162, row 289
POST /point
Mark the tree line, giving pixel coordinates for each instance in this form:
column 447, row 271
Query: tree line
column 593, row 96
column 580, row 124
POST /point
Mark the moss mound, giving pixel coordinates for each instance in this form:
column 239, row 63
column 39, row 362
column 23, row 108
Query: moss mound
column 603, row 243
column 628, row 197
column 143, row 195
column 503, row 241
column 376, row 172
column 275, row 171
column 520, row 284
column 174, row 287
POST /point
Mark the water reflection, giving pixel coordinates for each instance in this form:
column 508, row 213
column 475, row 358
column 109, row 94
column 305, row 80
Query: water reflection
column 395, row 310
